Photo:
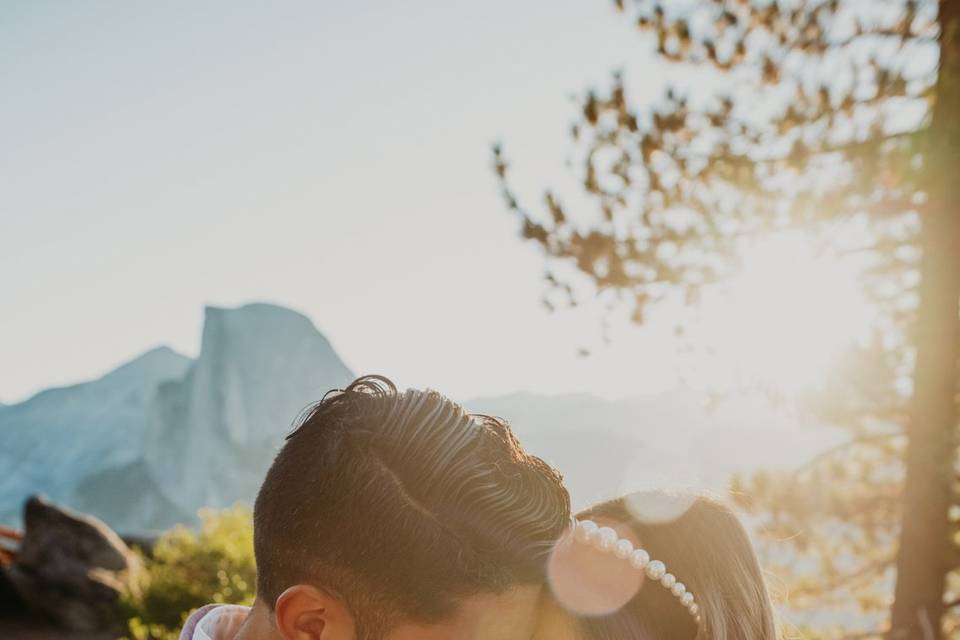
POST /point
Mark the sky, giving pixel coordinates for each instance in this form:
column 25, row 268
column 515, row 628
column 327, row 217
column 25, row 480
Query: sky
column 333, row 157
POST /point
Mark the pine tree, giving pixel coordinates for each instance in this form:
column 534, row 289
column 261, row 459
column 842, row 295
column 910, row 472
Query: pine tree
column 841, row 119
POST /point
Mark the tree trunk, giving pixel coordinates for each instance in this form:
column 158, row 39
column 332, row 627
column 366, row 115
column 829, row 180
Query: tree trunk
column 923, row 558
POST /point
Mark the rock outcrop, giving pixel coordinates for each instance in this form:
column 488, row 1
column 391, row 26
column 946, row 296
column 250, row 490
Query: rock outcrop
column 69, row 567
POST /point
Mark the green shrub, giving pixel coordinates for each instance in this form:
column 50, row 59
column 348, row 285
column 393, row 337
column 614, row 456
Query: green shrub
column 189, row 569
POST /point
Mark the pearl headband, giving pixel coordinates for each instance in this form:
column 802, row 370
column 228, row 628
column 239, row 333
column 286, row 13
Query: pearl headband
column 605, row 540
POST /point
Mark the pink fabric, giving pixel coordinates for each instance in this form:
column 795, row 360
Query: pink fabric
column 214, row 622
column 191, row 624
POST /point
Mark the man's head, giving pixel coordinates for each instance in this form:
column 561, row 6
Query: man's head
column 406, row 512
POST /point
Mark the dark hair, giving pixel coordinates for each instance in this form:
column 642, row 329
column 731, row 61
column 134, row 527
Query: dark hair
column 707, row 549
column 400, row 503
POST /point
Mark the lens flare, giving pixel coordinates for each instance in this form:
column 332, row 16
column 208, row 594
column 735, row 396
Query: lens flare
column 587, row 582
column 658, row 507
column 644, row 479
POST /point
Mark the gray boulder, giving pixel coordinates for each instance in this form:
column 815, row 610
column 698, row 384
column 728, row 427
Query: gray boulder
column 69, row 567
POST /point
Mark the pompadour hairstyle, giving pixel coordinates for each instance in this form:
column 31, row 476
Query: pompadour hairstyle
column 401, row 503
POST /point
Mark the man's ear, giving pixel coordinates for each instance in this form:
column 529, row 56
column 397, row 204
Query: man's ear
column 304, row 612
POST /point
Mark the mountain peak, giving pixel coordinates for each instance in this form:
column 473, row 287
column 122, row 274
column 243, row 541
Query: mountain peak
column 157, row 359
column 262, row 310
column 252, row 322
column 259, row 365
column 52, row 441
column 161, row 435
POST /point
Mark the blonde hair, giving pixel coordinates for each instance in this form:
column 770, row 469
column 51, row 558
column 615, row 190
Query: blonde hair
column 707, row 548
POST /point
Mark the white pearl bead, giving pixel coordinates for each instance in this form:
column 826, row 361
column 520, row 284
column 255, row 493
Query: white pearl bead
column 639, row 559
column 606, row 538
column 686, row 599
column 694, row 609
column 585, row 531
column 678, row 589
column 656, row 569
column 668, row 580
column 623, row 548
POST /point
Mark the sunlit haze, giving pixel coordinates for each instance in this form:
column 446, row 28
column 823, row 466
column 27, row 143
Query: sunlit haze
column 334, row 159
column 787, row 316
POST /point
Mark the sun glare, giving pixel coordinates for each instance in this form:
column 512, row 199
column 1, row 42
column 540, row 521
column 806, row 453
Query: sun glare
column 786, row 318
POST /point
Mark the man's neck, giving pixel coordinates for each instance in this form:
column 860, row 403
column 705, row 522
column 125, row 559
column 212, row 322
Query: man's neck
column 258, row 625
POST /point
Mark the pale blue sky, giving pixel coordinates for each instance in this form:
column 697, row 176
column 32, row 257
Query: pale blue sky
column 329, row 156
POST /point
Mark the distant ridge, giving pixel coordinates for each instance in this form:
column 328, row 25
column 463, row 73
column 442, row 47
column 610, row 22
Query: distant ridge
column 160, row 360
column 605, row 448
column 52, row 440
column 147, row 444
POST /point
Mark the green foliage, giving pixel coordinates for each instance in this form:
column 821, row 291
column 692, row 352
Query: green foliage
column 189, row 569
